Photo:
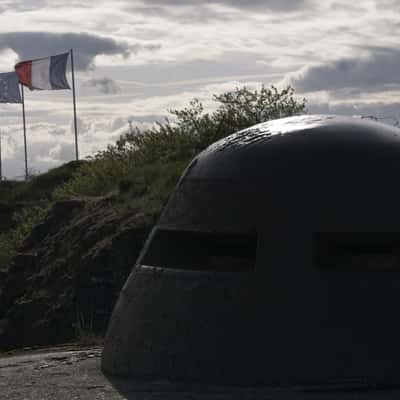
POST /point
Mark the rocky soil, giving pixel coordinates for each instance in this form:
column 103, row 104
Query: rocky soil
column 67, row 276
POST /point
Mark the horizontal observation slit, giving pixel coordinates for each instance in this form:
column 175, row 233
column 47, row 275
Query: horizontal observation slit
column 206, row 251
column 358, row 251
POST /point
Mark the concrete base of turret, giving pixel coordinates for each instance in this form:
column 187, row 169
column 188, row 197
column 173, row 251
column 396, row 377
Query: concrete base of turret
column 247, row 328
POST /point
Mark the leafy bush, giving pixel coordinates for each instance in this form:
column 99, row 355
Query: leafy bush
column 142, row 168
column 25, row 220
column 35, row 197
column 38, row 188
column 148, row 163
column 7, row 250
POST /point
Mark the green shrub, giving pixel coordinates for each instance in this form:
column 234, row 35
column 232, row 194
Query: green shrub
column 25, row 220
column 147, row 164
column 6, row 251
column 142, row 168
column 40, row 187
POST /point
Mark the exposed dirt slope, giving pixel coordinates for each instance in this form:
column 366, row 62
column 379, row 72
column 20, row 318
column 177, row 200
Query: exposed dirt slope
column 69, row 272
column 6, row 216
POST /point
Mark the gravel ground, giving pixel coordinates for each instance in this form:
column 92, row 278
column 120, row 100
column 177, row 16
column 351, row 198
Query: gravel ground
column 76, row 375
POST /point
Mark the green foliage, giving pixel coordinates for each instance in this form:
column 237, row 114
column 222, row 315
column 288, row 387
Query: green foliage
column 144, row 166
column 39, row 187
column 8, row 189
column 6, row 251
column 242, row 108
column 38, row 190
column 97, row 176
column 35, row 197
column 148, row 188
column 141, row 169
column 25, row 220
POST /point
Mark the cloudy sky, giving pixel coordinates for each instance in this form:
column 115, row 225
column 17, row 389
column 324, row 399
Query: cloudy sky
column 137, row 59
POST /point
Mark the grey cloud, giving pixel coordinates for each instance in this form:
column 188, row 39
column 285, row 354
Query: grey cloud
column 348, row 7
column 274, row 5
column 40, row 44
column 21, row 5
column 228, row 65
column 63, row 152
column 185, row 14
column 387, row 4
column 148, row 118
column 104, row 85
column 82, row 125
column 32, row 5
column 385, row 112
column 378, row 70
column 57, row 131
column 202, row 11
column 137, row 47
column 118, row 123
column 39, row 160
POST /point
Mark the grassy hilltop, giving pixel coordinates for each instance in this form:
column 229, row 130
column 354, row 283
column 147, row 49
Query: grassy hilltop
column 69, row 237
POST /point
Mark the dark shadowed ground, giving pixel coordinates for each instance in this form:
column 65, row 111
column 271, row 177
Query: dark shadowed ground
column 75, row 374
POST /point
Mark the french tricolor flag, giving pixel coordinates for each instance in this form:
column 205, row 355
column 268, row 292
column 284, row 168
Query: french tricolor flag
column 44, row 73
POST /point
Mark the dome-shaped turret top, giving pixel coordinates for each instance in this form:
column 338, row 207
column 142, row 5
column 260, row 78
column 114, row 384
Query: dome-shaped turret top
column 275, row 261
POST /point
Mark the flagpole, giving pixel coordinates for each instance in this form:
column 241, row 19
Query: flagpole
column 24, row 123
column 74, row 101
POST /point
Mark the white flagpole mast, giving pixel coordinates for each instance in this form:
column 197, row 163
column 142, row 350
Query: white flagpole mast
column 24, row 123
column 74, row 101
